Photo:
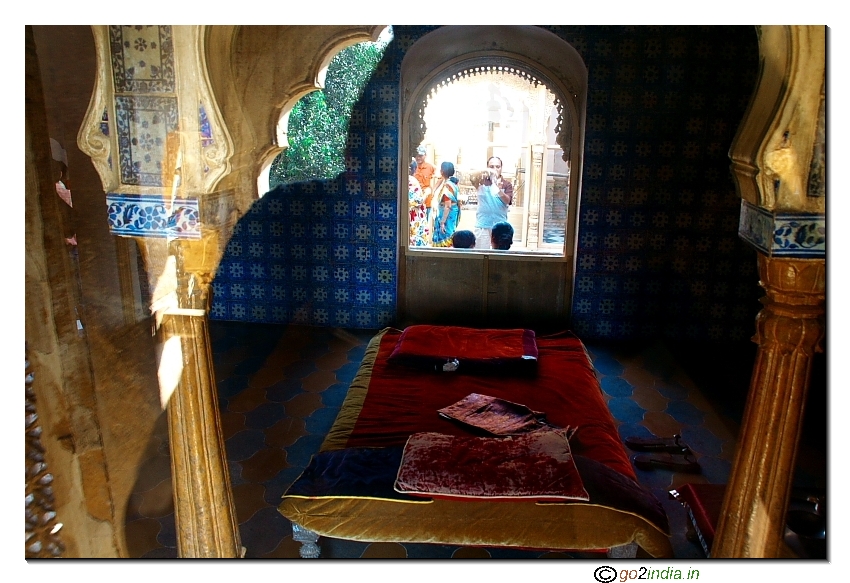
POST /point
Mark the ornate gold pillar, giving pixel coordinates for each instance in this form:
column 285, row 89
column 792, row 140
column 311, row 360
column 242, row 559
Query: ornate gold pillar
column 778, row 163
column 790, row 329
column 203, row 500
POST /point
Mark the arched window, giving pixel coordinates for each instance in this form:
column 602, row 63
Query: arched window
column 521, row 94
column 517, row 92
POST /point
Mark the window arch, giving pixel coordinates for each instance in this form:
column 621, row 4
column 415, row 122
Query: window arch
column 530, row 53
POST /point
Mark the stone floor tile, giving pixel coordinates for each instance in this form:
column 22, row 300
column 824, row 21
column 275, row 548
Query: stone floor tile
column 639, row 377
column 247, row 400
column 649, row 399
column 685, row 413
column 680, row 479
column 285, row 432
column 672, row 390
column 701, row 440
column 265, row 415
column 231, row 423
column 287, row 549
column 616, row 386
column 299, row 369
column 276, row 486
column 626, row 410
column 161, row 553
column 262, row 533
column 244, row 444
column 284, row 390
column 384, row 551
column 267, row 376
column 264, row 465
column 471, row 553
column 167, row 536
column 661, row 424
column 318, row 381
column 303, row 405
column 248, row 499
column 299, row 454
column 331, row 361
column 321, row 421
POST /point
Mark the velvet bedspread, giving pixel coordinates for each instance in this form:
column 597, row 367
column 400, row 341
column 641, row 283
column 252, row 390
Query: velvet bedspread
column 388, row 402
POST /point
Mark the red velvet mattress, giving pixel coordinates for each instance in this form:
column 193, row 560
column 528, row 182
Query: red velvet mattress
column 403, row 400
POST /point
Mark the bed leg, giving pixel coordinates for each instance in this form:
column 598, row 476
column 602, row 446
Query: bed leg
column 308, row 539
column 628, row 551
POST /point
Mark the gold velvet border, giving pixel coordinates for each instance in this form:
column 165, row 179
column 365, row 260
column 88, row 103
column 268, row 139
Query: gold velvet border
column 473, row 523
column 337, row 437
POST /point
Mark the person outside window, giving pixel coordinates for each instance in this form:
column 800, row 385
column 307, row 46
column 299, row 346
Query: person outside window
column 502, row 236
column 495, row 195
column 448, row 211
column 419, row 233
column 463, row 240
column 425, row 175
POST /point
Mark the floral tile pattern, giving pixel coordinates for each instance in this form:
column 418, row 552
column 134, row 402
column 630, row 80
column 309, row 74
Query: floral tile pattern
column 142, row 59
column 143, row 124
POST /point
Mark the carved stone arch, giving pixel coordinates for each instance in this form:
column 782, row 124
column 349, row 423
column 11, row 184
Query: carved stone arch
column 486, row 63
column 257, row 74
column 527, row 51
column 312, row 81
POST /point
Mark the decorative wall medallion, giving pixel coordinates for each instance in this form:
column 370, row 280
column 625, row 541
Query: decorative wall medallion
column 142, row 59
column 149, row 216
column 143, row 124
column 783, row 235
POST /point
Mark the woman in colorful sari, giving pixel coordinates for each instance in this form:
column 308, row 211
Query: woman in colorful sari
column 419, row 233
column 448, row 211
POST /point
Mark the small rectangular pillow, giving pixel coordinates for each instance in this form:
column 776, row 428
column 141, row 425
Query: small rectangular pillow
column 450, row 348
column 537, row 466
column 495, row 416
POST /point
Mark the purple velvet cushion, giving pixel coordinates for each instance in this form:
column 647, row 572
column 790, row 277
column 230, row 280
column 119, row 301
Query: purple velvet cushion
column 537, row 466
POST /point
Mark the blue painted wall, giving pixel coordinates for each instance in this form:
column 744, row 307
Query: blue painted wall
column 658, row 252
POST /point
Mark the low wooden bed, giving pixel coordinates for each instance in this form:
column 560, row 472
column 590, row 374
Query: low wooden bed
column 347, row 491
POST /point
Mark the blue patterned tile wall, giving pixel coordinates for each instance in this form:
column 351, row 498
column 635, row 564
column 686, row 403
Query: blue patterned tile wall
column 658, row 252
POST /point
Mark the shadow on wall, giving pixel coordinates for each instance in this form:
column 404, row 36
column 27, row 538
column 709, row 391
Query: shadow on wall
column 658, row 254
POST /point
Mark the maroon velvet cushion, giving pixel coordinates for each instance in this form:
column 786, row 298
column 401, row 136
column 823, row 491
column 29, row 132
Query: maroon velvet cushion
column 475, row 349
column 494, row 416
column 537, row 466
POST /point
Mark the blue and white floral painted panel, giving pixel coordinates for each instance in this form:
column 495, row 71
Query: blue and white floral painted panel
column 143, row 124
column 148, row 216
column 783, row 235
column 142, row 59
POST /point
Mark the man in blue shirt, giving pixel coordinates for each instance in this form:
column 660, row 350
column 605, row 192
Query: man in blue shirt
column 494, row 197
